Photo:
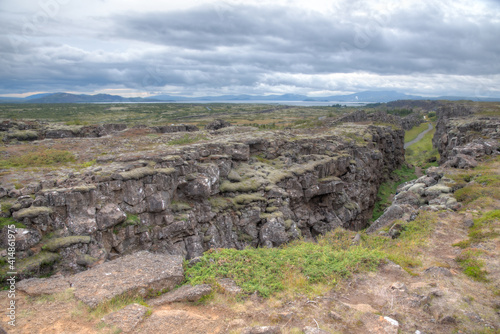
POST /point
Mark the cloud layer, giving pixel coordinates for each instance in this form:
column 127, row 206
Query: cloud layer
column 213, row 47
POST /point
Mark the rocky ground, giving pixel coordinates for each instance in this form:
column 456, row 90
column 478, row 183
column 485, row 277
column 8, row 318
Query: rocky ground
column 436, row 297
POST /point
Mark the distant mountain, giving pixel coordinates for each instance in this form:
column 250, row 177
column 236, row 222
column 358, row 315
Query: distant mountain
column 366, row 96
column 82, row 98
column 37, row 96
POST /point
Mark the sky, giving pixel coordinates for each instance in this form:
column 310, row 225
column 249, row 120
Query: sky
column 260, row 47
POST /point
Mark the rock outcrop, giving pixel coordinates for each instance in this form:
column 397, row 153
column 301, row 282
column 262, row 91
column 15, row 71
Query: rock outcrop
column 430, row 192
column 462, row 136
column 255, row 190
column 217, row 124
column 140, row 274
column 406, row 123
column 36, row 130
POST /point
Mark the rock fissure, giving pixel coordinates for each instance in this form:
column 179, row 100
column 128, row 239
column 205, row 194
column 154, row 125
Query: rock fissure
column 252, row 191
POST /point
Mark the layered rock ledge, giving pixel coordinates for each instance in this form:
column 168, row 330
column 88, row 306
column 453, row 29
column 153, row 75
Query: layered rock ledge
column 256, row 189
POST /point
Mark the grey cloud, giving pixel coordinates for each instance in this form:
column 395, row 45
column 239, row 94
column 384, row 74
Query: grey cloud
column 219, row 47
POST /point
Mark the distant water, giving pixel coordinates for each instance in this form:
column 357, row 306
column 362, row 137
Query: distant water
column 285, row 103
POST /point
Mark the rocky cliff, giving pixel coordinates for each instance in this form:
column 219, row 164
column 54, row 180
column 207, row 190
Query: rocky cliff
column 406, row 123
column 37, row 130
column 463, row 135
column 258, row 189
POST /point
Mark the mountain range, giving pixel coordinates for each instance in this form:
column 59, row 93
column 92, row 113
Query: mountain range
column 366, row 96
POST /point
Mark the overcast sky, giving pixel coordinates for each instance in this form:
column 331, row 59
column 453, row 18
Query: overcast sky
column 203, row 47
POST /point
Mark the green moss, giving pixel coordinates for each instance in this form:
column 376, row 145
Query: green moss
column 10, row 221
column 329, row 179
column 220, row 203
column 6, row 205
column 249, row 185
column 171, row 158
column 311, row 166
column 243, row 237
column 271, row 209
column 84, row 188
column 23, row 135
column 33, row 263
column 132, row 220
column 485, row 227
column 471, row 264
column 234, row 176
column 388, row 188
column 248, row 198
column 32, row 212
column 139, row 173
column 87, row 164
column 288, row 224
column 55, row 244
column 276, row 214
column 351, row 206
column 180, row 206
column 187, row 139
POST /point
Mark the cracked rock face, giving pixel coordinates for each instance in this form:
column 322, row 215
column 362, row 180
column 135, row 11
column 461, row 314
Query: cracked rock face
column 463, row 136
column 254, row 189
column 137, row 274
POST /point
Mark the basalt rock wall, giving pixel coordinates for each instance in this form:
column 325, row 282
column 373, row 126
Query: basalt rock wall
column 463, row 135
column 262, row 189
column 406, row 123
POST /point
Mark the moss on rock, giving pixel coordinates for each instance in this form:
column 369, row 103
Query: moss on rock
column 57, row 243
column 32, row 212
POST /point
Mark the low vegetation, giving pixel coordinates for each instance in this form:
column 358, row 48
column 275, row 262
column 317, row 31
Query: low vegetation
column 479, row 185
column 187, row 139
column 39, row 158
column 422, row 153
column 472, row 265
column 388, row 189
column 415, row 131
column 307, row 267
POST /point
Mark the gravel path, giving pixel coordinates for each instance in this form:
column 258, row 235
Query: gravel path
column 419, row 137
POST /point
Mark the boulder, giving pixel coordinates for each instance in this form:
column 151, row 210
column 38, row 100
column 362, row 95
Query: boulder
column 217, row 124
column 25, row 238
column 127, row 318
column 185, row 293
column 44, row 286
column 137, row 274
column 273, row 233
column 109, row 216
column 461, row 161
